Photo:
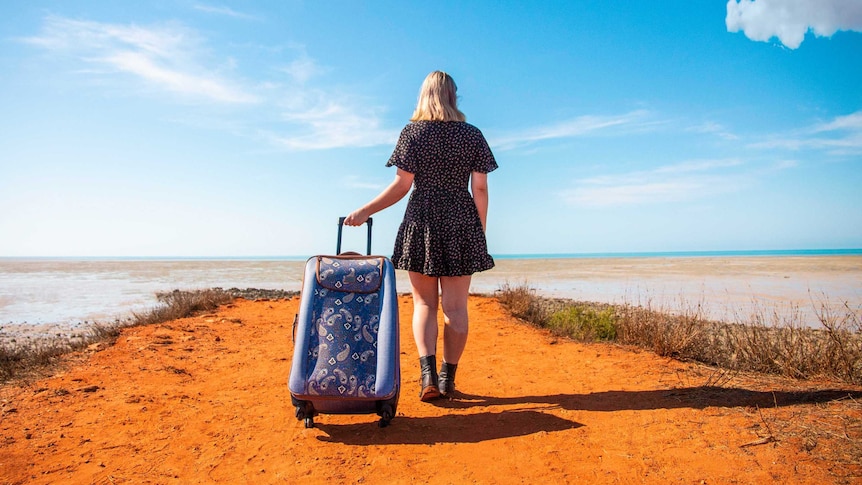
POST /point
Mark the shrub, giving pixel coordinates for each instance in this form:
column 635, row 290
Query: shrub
column 26, row 358
column 770, row 342
column 584, row 323
column 181, row 304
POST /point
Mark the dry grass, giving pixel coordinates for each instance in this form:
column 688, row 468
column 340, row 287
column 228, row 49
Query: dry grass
column 770, row 342
column 26, row 359
column 825, row 423
column 180, row 304
column 578, row 320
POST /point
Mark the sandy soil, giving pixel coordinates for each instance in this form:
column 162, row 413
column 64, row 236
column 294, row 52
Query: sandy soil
column 204, row 400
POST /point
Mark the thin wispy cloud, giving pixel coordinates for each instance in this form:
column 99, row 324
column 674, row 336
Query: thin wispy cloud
column 851, row 122
column 578, row 127
column 790, row 20
column 177, row 81
column 175, row 59
column 685, row 181
column 711, row 127
column 222, row 10
column 165, row 57
column 697, row 166
column 332, row 124
column 302, row 69
column 839, row 137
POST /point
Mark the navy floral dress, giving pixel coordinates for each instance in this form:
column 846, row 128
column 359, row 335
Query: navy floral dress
column 441, row 234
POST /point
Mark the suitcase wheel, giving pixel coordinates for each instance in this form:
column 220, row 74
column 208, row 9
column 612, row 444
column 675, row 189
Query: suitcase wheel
column 309, row 422
column 386, row 415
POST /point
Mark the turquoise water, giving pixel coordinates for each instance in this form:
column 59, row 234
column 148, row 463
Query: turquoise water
column 689, row 254
column 644, row 254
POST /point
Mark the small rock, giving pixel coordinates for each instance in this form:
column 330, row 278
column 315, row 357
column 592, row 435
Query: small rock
column 97, row 347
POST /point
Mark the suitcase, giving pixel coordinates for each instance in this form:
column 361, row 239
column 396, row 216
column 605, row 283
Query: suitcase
column 346, row 356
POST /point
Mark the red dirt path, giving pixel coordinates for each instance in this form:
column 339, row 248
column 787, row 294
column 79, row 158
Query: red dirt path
column 204, row 400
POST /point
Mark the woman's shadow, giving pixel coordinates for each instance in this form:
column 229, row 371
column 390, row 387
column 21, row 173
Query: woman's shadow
column 530, row 416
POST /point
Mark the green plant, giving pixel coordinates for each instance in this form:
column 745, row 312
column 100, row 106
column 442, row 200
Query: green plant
column 772, row 341
column 584, row 323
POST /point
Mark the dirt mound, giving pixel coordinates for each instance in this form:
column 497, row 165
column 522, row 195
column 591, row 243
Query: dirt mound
column 204, row 399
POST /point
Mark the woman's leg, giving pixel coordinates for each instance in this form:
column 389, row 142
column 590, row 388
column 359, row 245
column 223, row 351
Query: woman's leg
column 425, row 298
column 454, row 291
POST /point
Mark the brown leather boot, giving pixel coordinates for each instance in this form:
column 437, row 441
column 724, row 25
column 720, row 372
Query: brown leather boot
column 446, row 382
column 428, row 389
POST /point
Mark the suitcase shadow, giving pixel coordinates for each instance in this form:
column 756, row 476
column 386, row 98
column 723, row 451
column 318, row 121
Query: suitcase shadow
column 453, row 428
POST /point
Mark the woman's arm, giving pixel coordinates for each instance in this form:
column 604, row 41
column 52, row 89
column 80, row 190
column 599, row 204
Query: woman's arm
column 390, row 195
column 479, row 188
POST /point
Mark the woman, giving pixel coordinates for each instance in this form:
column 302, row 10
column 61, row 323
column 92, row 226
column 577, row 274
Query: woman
column 441, row 241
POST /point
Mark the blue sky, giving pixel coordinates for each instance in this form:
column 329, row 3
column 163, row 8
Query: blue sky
column 198, row 128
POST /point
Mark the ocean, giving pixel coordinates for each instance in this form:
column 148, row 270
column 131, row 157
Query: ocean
column 727, row 285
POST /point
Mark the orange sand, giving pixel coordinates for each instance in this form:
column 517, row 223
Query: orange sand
column 204, row 400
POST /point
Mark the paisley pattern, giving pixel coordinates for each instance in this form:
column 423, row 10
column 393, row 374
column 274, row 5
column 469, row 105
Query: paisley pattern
column 342, row 356
column 350, row 274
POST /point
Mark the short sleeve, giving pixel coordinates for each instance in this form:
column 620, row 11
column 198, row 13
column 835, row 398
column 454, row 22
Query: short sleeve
column 483, row 159
column 402, row 156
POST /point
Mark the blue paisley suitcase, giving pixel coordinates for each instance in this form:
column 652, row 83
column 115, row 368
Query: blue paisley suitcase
column 346, row 356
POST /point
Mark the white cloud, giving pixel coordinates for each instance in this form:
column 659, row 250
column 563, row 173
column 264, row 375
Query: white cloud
column 166, row 56
column 839, row 137
column 711, row 127
column 303, row 69
column 698, row 166
column 175, row 59
column 670, row 183
column 790, row 20
column 332, row 124
column 784, row 164
column 222, row 10
column 177, row 81
column 581, row 126
column 851, row 122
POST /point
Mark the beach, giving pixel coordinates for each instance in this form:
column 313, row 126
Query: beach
column 726, row 288
column 58, row 296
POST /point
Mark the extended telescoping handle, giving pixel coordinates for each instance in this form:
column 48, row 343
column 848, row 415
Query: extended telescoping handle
column 341, row 226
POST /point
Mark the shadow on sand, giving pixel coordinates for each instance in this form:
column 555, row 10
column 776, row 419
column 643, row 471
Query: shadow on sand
column 525, row 415
column 452, row 428
column 688, row 397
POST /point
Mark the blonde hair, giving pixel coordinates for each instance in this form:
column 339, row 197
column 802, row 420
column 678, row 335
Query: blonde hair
column 438, row 100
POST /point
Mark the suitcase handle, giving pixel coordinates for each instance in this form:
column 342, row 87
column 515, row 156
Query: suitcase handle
column 341, row 226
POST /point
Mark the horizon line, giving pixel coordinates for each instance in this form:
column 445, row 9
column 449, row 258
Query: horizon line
column 608, row 254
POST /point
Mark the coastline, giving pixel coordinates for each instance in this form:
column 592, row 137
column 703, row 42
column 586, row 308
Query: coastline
column 725, row 287
column 58, row 295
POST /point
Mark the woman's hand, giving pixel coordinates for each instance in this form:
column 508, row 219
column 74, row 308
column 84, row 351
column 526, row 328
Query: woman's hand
column 356, row 218
column 390, row 195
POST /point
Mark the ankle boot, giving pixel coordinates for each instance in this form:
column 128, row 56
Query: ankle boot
column 428, row 389
column 446, row 382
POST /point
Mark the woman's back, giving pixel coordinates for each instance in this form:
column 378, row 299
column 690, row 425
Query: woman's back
column 441, row 154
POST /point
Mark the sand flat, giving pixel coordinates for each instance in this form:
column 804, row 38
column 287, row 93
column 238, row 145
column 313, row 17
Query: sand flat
column 725, row 286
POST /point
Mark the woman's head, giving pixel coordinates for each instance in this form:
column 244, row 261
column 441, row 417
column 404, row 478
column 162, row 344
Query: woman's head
column 438, row 100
